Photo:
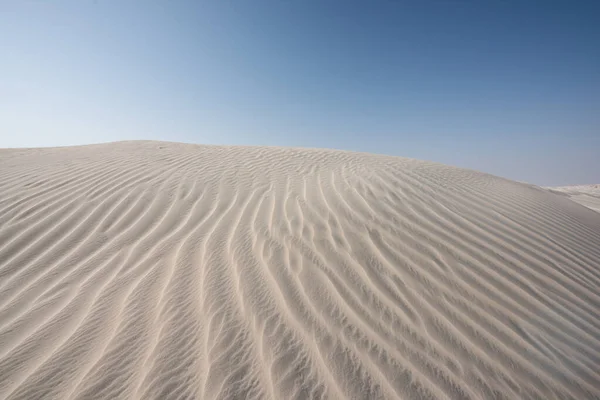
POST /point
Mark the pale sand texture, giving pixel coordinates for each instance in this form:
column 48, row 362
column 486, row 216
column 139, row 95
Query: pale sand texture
column 148, row 270
column 587, row 195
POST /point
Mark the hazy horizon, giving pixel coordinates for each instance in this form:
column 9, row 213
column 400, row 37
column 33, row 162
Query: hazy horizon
column 508, row 89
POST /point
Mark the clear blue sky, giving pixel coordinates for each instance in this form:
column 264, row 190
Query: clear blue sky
column 506, row 87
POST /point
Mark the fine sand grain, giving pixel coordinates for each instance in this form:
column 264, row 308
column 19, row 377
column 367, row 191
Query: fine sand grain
column 149, row 270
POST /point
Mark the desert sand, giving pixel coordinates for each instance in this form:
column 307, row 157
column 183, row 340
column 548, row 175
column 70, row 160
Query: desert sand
column 587, row 195
column 150, row 270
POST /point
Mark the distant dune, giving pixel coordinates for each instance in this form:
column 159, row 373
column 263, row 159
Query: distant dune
column 587, row 195
column 149, row 270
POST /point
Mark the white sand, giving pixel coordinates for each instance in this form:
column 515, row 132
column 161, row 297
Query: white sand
column 587, row 195
column 148, row 270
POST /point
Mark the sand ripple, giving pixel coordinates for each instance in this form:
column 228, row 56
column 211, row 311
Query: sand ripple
column 148, row 270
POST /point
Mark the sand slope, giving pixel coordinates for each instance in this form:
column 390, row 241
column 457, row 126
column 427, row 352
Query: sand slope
column 587, row 195
column 157, row 270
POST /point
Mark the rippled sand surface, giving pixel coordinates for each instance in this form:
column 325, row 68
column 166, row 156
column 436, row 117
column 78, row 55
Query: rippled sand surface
column 149, row 270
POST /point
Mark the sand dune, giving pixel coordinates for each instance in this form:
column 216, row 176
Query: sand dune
column 148, row 270
column 587, row 195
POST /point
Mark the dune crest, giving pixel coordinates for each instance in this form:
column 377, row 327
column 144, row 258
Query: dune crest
column 149, row 270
